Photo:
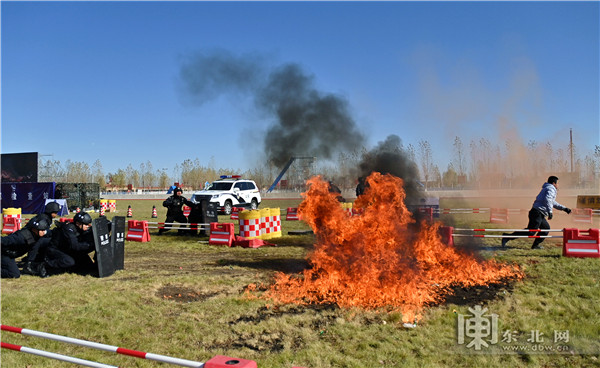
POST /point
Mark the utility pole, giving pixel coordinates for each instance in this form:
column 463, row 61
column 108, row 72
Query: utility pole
column 571, row 148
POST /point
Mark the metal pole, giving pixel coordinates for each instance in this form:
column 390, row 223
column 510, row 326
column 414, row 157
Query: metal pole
column 47, row 354
column 95, row 345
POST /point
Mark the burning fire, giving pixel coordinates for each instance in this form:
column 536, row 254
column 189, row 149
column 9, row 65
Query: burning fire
column 380, row 258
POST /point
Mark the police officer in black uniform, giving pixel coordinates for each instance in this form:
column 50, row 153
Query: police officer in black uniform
column 50, row 213
column 71, row 245
column 21, row 242
column 174, row 206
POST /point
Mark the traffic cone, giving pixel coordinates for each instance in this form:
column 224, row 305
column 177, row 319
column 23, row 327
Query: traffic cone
column 154, row 214
column 129, row 214
column 102, row 211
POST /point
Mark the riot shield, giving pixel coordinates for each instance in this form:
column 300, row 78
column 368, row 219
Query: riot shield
column 211, row 214
column 117, row 242
column 104, row 250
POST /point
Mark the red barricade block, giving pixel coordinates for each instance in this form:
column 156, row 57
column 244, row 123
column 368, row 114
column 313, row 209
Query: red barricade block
column 427, row 213
column 292, row 214
column 446, row 234
column 65, row 219
column 220, row 361
column 582, row 215
column 11, row 224
column 235, row 213
column 499, row 215
column 221, row 234
column 138, row 231
column 578, row 245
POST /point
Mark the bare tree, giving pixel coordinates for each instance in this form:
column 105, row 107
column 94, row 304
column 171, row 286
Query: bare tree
column 459, row 156
column 426, row 161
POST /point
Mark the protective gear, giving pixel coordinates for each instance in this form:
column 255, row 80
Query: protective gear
column 38, row 223
column 52, row 207
column 550, row 216
column 83, row 217
column 177, row 189
column 568, row 211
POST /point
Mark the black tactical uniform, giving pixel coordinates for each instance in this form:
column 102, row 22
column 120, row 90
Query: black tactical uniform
column 20, row 243
column 70, row 247
column 174, row 206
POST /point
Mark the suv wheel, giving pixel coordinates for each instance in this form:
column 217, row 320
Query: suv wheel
column 254, row 204
column 227, row 207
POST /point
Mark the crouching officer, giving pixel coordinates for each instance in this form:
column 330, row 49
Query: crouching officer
column 174, row 206
column 50, row 213
column 70, row 246
column 30, row 238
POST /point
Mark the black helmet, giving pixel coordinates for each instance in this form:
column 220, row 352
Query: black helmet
column 38, row 223
column 83, row 217
column 52, row 207
column 177, row 189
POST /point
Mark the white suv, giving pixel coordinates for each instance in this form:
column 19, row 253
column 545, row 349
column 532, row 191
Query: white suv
column 230, row 191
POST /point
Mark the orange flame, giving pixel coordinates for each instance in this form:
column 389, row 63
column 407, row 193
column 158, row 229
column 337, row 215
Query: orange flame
column 376, row 259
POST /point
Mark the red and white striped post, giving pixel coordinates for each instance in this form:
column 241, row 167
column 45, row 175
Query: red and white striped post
column 47, row 354
column 98, row 346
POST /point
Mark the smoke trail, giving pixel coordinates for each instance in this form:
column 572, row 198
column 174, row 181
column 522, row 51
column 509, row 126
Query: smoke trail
column 205, row 76
column 309, row 123
column 306, row 122
column 388, row 157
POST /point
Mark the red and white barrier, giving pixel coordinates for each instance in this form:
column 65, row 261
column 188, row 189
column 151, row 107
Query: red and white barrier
column 427, row 213
column 219, row 361
column 292, row 214
column 47, row 354
column 582, row 215
column 221, row 234
column 187, row 210
column 235, row 213
column 138, row 231
column 11, row 225
column 448, row 211
column 576, row 244
column 499, row 215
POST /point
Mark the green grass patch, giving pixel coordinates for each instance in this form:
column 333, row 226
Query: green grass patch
column 181, row 297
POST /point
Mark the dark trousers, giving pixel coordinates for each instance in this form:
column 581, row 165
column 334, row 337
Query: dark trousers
column 536, row 221
column 60, row 261
column 9, row 268
column 179, row 217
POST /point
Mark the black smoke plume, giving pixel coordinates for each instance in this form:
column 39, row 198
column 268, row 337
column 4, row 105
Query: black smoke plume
column 309, row 122
column 389, row 157
column 306, row 122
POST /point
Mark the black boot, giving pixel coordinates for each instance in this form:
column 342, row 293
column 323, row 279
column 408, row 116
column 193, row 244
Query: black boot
column 35, row 269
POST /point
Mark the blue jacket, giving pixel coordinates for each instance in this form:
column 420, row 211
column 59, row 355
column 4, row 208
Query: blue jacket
column 546, row 200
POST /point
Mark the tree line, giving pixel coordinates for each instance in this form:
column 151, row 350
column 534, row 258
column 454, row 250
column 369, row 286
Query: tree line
column 479, row 163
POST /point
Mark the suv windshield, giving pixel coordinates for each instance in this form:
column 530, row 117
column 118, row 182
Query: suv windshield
column 220, row 186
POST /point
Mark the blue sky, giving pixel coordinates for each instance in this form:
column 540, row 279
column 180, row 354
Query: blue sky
column 101, row 80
